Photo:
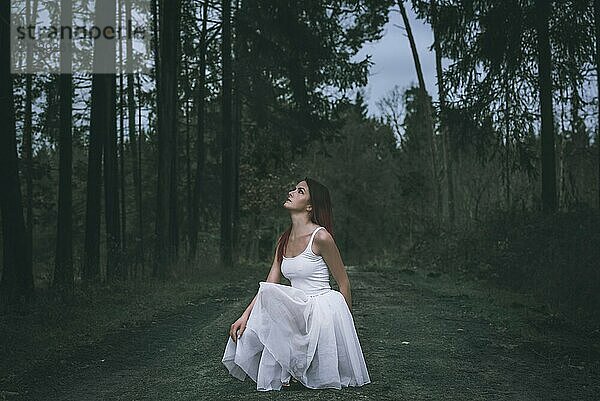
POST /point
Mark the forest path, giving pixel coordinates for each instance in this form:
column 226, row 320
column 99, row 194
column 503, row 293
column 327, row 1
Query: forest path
column 423, row 337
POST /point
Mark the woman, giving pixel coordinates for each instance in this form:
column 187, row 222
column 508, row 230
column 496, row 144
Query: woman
column 305, row 331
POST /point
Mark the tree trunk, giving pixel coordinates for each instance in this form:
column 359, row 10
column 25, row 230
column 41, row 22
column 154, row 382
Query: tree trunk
column 188, row 156
column 139, row 184
column 99, row 118
column 160, row 254
column 166, row 225
column 240, row 59
column 102, row 146
column 547, row 124
column 111, row 188
column 426, row 107
column 200, row 148
column 574, row 160
column 133, row 148
column 63, row 268
column 27, row 154
column 141, row 141
column 104, row 62
column 447, row 151
column 133, row 157
column 171, row 109
column 597, row 58
column 124, row 267
column 122, row 175
column 237, row 131
column 31, row 13
column 227, row 156
column 174, row 190
column 17, row 275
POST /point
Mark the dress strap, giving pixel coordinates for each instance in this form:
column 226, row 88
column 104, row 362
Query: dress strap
column 312, row 237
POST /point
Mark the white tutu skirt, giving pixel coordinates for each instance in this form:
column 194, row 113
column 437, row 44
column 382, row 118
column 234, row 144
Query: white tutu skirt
column 289, row 333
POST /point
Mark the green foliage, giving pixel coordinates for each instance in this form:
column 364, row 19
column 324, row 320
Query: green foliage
column 360, row 170
column 294, row 52
column 493, row 73
column 556, row 257
column 377, row 170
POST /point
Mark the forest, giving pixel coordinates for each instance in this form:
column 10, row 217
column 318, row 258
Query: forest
column 111, row 182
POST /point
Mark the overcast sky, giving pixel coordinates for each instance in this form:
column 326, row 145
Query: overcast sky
column 392, row 59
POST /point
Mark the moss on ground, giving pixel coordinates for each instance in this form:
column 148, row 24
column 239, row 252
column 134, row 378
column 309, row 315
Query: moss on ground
column 424, row 336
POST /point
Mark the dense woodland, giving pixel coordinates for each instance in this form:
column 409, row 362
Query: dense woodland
column 109, row 177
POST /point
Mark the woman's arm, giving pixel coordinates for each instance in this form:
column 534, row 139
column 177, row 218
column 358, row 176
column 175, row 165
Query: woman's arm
column 238, row 327
column 326, row 247
column 274, row 276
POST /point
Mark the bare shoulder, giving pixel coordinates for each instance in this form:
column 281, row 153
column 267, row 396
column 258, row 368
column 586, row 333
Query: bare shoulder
column 323, row 236
column 323, row 240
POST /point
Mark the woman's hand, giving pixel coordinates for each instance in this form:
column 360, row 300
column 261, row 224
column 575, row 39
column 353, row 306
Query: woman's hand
column 238, row 325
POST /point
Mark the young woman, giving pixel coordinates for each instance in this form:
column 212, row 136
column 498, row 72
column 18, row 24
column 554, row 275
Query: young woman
column 305, row 331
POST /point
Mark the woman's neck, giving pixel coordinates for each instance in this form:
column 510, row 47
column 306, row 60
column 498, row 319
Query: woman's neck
column 301, row 224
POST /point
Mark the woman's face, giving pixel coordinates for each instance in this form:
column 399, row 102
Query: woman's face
column 298, row 198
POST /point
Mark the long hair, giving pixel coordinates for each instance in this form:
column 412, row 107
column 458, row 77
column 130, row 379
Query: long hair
column 321, row 213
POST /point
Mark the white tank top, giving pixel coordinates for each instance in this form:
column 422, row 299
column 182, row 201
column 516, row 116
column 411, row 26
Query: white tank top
column 307, row 271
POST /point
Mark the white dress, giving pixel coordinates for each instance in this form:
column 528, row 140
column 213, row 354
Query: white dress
column 305, row 331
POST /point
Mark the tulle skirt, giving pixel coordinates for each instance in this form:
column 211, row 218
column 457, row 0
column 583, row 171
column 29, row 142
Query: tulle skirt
column 290, row 333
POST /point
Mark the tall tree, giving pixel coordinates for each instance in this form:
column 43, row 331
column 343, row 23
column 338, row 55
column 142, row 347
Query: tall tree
column 31, row 15
column 597, row 60
column 547, row 117
column 200, row 127
column 227, row 145
column 121, row 154
column 99, row 119
column 424, row 97
column 63, row 268
column 296, row 49
column 160, row 251
column 133, row 147
column 238, row 87
column 447, row 153
column 166, row 222
column 103, row 131
column 107, row 15
column 188, row 148
column 494, row 67
column 17, row 275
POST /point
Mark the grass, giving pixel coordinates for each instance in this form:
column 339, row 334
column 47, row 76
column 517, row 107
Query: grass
column 425, row 334
column 554, row 257
column 48, row 328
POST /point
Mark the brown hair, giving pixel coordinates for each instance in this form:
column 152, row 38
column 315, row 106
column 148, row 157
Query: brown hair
column 321, row 213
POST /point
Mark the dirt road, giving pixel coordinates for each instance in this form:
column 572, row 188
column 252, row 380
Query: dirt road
column 424, row 338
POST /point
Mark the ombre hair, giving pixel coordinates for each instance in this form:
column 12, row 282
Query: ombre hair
column 321, row 213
